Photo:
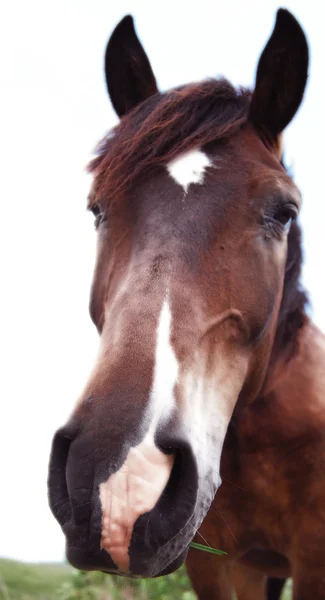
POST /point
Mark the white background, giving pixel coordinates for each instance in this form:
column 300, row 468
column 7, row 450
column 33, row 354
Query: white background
column 53, row 109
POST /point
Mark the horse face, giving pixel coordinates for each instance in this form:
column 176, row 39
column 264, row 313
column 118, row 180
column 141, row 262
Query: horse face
column 186, row 294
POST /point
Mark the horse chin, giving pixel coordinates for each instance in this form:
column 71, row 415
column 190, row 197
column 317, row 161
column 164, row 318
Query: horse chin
column 171, row 568
column 101, row 561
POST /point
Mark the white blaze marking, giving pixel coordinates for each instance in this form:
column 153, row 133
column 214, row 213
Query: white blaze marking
column 209, row 402
column 189, row 168
column 166, row 368
column 137, row 486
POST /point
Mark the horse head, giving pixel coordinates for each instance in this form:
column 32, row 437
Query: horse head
column 193, row 211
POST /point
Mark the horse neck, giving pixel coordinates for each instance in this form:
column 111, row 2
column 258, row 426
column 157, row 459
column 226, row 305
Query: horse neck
column 296, row 381
column 291, row 411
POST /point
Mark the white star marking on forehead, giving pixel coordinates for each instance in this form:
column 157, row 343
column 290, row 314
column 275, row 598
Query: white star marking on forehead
column 189, row 168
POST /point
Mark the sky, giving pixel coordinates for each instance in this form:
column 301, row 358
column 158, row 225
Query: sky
column 54, row 109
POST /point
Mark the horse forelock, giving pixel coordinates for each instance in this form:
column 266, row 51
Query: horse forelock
column 163, row 127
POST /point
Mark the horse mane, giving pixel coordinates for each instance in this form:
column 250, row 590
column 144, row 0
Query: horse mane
column 164, row 126
column 292, row 314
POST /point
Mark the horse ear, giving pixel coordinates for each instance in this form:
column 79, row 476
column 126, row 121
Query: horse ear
column 129, row 76
column 280, row 79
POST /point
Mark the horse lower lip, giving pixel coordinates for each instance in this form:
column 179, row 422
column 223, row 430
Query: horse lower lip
column 89, row 559
column 84, row 559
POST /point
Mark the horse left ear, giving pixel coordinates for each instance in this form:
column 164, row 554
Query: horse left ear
column 280, row 79
column 129, row 76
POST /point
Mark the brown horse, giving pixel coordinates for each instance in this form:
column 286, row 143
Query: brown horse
column 205, row 345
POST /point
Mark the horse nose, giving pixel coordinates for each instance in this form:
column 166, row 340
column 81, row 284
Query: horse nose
column 74, row 494
column 70, row 480
column 72, row 506
column 159, row 536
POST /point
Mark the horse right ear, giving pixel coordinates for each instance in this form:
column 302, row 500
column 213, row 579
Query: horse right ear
column 280, row 79
column 129, row 76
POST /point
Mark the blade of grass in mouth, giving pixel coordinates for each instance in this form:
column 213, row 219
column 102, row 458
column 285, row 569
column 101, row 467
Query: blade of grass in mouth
column 206, row 548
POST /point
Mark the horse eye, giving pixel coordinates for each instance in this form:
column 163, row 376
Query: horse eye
column 96, row 210
column 286, row 214
column 98, row 214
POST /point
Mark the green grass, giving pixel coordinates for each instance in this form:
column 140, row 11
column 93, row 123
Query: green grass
column 23, row 581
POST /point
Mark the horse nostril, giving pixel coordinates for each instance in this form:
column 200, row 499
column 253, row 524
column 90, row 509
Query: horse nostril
column 57, row 483
column 168, row 450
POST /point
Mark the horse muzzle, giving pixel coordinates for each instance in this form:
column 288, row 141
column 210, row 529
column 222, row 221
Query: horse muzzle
column 118, row 514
